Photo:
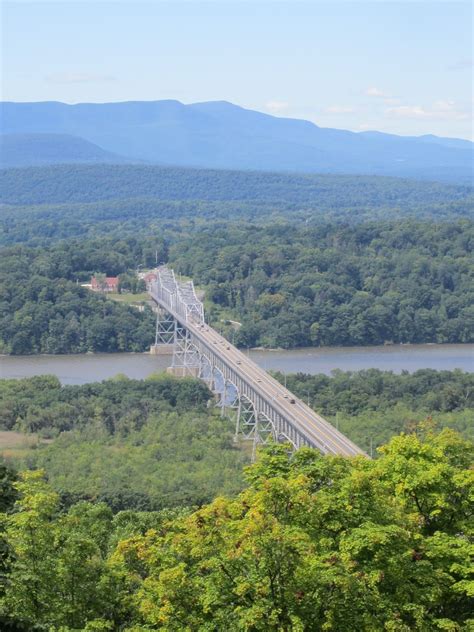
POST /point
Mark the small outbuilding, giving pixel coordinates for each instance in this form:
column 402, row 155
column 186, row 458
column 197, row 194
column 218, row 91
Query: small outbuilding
column 104, row 284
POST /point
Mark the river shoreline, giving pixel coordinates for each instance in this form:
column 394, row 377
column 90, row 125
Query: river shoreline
column 94, row 367
column 395, row 346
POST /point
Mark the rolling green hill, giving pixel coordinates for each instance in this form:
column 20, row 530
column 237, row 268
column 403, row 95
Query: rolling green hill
column 92, row 183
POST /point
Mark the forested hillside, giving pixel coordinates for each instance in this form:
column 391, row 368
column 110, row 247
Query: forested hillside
column 92, row 183
column 299, row 260
column 313, row 543
column 43, row 309
column 290, row 285
column 335, row 285
column 134, row 444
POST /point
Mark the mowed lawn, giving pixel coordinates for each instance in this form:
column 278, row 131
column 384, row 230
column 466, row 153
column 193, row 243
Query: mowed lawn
column 129, row 298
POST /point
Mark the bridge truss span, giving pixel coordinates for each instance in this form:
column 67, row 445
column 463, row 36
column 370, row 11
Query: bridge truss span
column 263, row 408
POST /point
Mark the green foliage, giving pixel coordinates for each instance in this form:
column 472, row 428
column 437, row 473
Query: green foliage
column 154, row 443
column 319, row 544
column 372, row 406
column 293, row 286
column 134, row 444
column 8, row 494
column 314, row 543
column 174, row 459
column 119, row 405
column 43, row 311
column 58, row 574
column 85, row 183
column 375, row 390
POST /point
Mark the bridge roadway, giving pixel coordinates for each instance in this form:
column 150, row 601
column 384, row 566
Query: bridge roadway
column 318, row 432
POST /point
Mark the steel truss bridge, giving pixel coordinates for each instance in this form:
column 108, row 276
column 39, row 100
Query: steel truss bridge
column 264, row 409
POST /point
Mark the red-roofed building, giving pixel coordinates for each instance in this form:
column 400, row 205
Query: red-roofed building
column 104, row 284
column 150, row 277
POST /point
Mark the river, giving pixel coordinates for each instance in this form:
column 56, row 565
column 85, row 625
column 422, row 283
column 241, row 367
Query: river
column 79, row 369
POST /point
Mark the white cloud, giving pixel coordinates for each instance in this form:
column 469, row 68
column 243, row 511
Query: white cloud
column 277, row 107
column 375, row 92
column 339, row 109
column 441, row 110
column 67, row 77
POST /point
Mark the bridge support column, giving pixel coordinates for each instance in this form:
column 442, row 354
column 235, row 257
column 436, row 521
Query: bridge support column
column 205, row 371
column 230, row 399
column 264, row 432
column 186, row 357
column 164, row 334
column 246, row 419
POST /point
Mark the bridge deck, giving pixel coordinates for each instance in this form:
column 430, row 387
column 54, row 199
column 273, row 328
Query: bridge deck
column 316, row 429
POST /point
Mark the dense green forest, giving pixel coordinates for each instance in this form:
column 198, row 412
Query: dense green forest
column 299, row 260
column 90, row 183
column 154, row 443
column 43, row 309
column 290, row 286
column 313, row 543
column 137, row 510
column 72, row 201
column 134, row 444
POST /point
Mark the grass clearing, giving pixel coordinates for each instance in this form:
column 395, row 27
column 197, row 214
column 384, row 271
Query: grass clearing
column 129, row 298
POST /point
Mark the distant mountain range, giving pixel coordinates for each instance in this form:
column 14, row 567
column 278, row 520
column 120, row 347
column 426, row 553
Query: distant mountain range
column 217, row 135
column 19, row 150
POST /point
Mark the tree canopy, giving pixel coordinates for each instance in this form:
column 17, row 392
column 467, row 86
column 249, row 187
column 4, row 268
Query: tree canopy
column 313, row 543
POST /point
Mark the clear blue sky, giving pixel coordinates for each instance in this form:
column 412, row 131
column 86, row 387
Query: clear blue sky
column 402, row 67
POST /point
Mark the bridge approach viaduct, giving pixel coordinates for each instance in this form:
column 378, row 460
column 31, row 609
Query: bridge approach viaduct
column 263, row 408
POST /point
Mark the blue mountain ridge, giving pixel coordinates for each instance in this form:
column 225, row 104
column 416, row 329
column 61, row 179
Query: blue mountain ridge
column 17, row 150
column 221, row 135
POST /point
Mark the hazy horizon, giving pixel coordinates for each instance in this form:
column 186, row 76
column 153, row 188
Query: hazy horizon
column 401, row 67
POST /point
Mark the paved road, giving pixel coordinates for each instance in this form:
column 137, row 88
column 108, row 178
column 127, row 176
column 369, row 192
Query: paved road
column 318, row 431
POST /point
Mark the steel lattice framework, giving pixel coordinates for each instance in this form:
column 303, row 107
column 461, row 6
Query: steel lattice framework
column 263, row 408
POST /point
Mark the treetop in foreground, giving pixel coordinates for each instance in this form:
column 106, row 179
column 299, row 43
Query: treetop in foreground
column 313, row 543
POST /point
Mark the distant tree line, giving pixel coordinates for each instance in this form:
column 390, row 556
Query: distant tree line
column 58, row 184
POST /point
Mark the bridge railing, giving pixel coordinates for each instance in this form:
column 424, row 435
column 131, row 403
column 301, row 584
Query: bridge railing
column 180, row 297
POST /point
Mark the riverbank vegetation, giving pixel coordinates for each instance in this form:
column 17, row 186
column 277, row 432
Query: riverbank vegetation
column 372, row 406
column 289, row 285
column 155, row 443
column 312, row 543
column 43, row 309
column 135, row 444
column 299, row 260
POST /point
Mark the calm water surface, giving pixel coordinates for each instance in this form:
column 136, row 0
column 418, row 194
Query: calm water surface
column 79, row 369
